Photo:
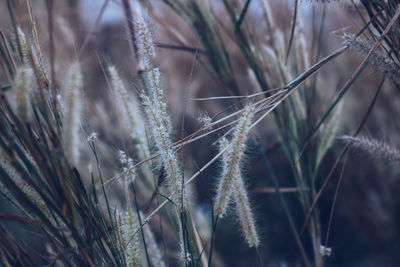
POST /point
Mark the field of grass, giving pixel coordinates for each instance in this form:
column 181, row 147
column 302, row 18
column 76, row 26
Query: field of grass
column 199, row 133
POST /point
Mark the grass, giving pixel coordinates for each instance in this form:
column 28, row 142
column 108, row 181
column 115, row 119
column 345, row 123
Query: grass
column 125, row 193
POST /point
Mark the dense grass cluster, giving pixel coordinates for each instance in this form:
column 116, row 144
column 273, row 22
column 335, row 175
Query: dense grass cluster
column 113, row 177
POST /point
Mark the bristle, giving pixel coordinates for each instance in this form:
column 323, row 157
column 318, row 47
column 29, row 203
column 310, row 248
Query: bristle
column 380, row 59
column 26, row 188
column 231, row 181
column 127, row 226
column 232, row 160
column 131, row 114
column 244, row 212
column 164, row 145
column 375, row 148
column 145, row 39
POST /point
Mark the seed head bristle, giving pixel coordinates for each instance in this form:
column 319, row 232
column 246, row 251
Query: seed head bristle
column 145, row 39
column 232, row 160
column 131, row 114
column 375, row 148
column 380, row 59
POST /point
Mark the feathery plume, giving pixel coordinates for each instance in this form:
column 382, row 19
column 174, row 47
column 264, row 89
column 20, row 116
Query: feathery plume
column 127, row 225
column 232, row 159
column 272, row 66
column 244, row 212
column 379, row 58
column 164, row 145
column 155, row 104
column 232, row 180
column 302, row 49
column 145, row 39
column 157, row 97
column 375, row 148
column 24, row 46
column 224, row 187
column 130, row 112
column 29, row 191
column 31, row 55
column 23, row 84
column 154, row 251
column 328, row 133
column 127, row 167
column 73, row 112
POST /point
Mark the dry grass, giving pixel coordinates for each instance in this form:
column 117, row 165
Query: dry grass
column 105, row 162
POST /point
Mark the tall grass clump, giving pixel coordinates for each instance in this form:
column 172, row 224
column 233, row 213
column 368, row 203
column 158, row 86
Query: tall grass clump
column 99, row 167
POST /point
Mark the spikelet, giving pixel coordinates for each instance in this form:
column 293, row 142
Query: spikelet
column 158, row 98
column 155, row 104
column 302, row 49
column 156, row 109
column 130, row 112
column 253, row 80
column 244, row 212
column 147, row 50
column 379, row 58
column 24, row 46
column 132, row 246
column 152, row 247
column 231, row 160
column 271, row 63
column 72, row 115
column 303, row 64
column 232, row 180
column 31, row 55
column 145, row 39
column 126, row 223
column 23, row 85
column 30, row 192
column 328, row 133
column 129, row 171
column 375, row 148
column 224, row 187
column 164, row 144
column 127, row 167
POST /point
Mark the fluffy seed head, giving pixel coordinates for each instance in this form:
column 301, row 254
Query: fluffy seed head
column 23, row 85
column 145, row 39
column 127, row 225
column 72, row 115
column 379, row 58
column 128, row 167
column 232, row 181
column 244, row 212
column 130, row 111
column 375, row 148
column 164, row 145
column 24, row 45
column 232, row 159
column 328, row 133
column 154, row 251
